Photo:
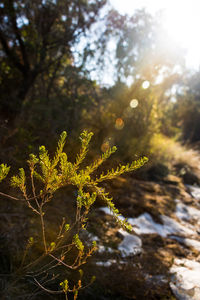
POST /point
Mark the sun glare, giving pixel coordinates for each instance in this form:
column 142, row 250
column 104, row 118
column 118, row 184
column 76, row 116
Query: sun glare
column 181, row 21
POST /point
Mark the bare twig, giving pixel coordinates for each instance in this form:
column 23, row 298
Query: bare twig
column 64, row 264
column 18, row 199
column 45, row 289
column 33, row 189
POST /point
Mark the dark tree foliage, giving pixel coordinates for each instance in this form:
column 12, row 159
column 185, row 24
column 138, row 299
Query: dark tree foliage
column 44, row 91
column 36, row 38
column 187, row 108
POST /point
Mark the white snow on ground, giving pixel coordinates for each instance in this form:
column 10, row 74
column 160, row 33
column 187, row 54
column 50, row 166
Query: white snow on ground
column 103, row 249
column 92, row 237
column 186, row 280
column 110, row 262
column 195, row 191
column 146, row 225
column 108, row 211
column 107, row 263
column 187, row 213
column 188, row 242
column 131, row 244
column 193, row 243
column 173, row 227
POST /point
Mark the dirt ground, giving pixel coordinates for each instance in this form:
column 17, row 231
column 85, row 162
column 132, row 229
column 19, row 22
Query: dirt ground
column 142, row 276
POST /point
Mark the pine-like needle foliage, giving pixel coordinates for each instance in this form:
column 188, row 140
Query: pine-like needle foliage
column 54, row 174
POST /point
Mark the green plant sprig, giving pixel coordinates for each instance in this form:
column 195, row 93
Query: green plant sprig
column 54, row 174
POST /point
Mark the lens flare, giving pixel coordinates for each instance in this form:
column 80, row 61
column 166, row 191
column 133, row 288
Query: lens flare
column 119, row 124
column 105, row 146
column 133, row 103
column 145, row 84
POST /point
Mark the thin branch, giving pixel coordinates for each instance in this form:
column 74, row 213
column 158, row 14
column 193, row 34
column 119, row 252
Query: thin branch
column 29, row 204
column 64, row 264
column 18, row 199
column 41, row 270
column 65, row 246
column 59, row 236
column 47, row 290
column 33, row 189
column 43, row 230
column 18, row 36
column 50, row 268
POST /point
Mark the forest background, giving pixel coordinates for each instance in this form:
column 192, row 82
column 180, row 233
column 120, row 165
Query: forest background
column 54, row 55
column 51, row 50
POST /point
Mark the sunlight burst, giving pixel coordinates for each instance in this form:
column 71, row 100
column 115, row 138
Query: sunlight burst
column 182, row 23
column 180, row 20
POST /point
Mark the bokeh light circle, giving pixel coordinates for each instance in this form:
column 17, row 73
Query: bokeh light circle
column 133, row 103
column 119, row 124
column 145, row 84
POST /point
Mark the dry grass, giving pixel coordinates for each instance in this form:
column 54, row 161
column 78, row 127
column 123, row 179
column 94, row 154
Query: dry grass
column 169, row 151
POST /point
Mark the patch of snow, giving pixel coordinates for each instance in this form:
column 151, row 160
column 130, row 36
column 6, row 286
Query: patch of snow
column 131, row 244
column 173, row 227
column 182, row 231
column 103, row 249
column 93, row 237
column 146, row 225
column 186, row 280
column 188, row 242
column 121, row 218
column 186, row 213
column 193, row 243
column 194, row 191
column 108, row 211
column 107, row 263
column 110, row 262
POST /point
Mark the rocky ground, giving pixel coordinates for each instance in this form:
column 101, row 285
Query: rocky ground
column 160, row 259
